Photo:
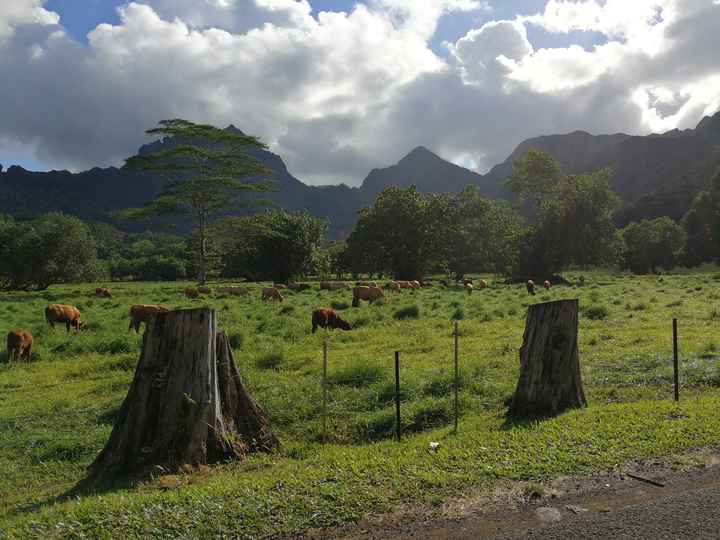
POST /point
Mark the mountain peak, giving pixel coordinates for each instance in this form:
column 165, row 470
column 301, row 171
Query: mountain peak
column 710, row 124
column 419, row 152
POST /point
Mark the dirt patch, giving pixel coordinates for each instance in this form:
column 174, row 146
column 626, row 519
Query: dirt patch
column 511, row 508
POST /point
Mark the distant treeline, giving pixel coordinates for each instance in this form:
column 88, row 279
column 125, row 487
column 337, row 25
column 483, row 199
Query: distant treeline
column 404, row 234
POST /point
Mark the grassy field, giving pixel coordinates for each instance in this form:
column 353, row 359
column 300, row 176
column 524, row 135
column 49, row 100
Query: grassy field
column 57, row 412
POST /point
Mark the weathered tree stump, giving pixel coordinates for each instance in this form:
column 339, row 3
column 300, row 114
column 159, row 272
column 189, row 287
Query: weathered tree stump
column 550, row 381
column 186, row 404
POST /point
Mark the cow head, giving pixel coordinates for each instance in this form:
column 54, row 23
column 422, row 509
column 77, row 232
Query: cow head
column 343, row 324
column 80, row 325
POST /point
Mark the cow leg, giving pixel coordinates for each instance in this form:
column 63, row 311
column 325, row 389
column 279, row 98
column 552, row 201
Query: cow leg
column 67, row 325
column 314, row 327
column 130, row 326
column 28, row 353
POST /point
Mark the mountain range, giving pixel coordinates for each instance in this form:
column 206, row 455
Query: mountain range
column 654, row 175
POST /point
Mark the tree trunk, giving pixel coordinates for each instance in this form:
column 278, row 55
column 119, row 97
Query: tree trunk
column 550, row 379
column 186, row 404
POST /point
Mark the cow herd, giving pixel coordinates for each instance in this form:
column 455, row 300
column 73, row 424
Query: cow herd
column 20, row 342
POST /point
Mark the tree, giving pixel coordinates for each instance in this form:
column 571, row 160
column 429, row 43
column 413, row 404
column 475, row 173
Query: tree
column 275, row 245
column 53, row 248
column 470, row 232
column 206, row 169
column 534, row 175
column 393, row 235
column 652, row 244
column 702, row 226
column 573, row 217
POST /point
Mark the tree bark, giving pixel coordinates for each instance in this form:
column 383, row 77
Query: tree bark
column 550, row 380
column 186, row 404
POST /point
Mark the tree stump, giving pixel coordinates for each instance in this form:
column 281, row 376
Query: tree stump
column 186, row 404
column 550, row 381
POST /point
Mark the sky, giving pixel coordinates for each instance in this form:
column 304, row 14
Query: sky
column 338, row 87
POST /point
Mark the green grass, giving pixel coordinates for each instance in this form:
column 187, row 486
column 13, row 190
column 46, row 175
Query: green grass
column 57, row 412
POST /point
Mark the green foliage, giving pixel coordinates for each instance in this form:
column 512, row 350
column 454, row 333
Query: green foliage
column 53, row 248
column 534, row 175
column 207, row 168
column 573, row 225
column 653, row 244
column 597, row 312
column 356, row 375
column 702, row 226
column 407, row 312
column 275, row 245
column 406, row 234
column 271, row 360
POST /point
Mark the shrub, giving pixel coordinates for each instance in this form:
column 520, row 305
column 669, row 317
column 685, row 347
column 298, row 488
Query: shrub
column 408, row 312
column 271, row 360
column 237, row 340
column 596, row 312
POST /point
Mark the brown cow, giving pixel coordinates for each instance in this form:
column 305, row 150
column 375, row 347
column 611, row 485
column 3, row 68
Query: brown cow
column 366, row 293
column 59, row 313
column 467, row 280
column 299, row 286
column 234, row 291
column 415, row 284
column 204, row 289
column 482, row 284
column 271, row 293
column 469, row 287
column 192, row 292
column 366, row 284
column 393, row 286
column 404, row 284
column 141, row 313
column 530, row 285
column 328, row 318
column 19, row 345
column 547, row 285
column 333, row 285
column 102, row 291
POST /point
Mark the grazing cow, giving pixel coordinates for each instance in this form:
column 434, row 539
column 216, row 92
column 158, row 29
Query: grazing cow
column 404, row 284
column 59, row 313
column 469, row 287
column 234, row 291
column 103, row 292
column 530, row 285
column 192, row 292
column 547, row 285
column 482, row 284
column 19, row 345
column 467, row 280
column 141, row 313
column 333, row 285
column 415, row 284
column 366, row 293
column 366, row 284
column 204, row 290
column 393, row 286
column 299, row 286
column 328, row 318
column 271, row 293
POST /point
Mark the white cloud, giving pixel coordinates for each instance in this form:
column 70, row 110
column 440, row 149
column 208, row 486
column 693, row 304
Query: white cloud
column 15, row 13
column 340, row 94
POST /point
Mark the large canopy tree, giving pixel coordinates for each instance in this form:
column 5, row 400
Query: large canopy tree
column 573, row 216
column 206, row 169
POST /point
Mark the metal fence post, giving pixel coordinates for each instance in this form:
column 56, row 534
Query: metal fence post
column 325, row 392
column 457, row 377
column 398, row 427
column 676, row 369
